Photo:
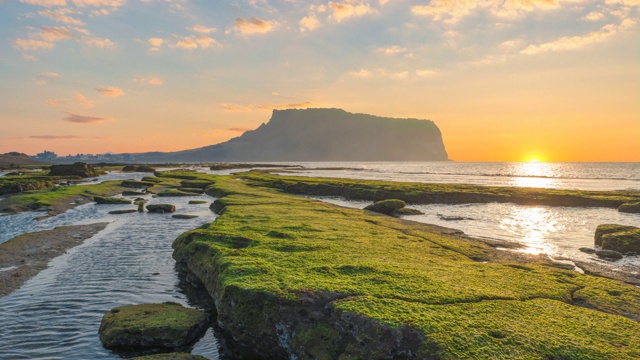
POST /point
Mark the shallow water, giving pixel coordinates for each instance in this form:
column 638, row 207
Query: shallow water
column 115, row 175
column 57, row 314
column 557, row 231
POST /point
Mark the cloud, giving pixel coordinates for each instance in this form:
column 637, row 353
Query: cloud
column 578, row 42
column 309, row 23
column 54, row 137
column 399, row 75
column 241, row 130
column 49, row 75
column 451, row 12
column 425, row 73
column 593, row 16
column 194, row 42
column 148, row 81
column 362, row 73
column 156, row 43
column 103, row 43
column 45, row 3
column 252, row 26
column 32, row 44
column 53, row 102
column 344, row 10
column 249, row 108
column 109, row 91
column 82, row 119
column 99, row 3
column 84, row 101
column 202, row 29
column 62, row 15
column 55, row 33
column 392, row 50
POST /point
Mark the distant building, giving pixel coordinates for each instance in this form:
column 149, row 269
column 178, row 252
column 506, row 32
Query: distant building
column 46, row 155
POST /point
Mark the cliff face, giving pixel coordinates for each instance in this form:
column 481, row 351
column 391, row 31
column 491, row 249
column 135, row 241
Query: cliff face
column 327, row 135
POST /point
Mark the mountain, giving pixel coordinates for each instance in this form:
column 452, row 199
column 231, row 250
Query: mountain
column 322, row 135
column 13, row 159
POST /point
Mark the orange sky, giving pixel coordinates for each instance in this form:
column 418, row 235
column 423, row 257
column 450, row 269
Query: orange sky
column 504, row 81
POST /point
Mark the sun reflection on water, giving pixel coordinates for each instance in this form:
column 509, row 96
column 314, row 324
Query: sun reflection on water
column 534, row 174
column 534, row 224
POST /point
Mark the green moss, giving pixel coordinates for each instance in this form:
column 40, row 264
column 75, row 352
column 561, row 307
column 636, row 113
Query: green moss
column 197, row 202
column 623, row 241
column 633, row 208
column 457, row 292
column 110, row 200
column 424, row 193
column 171, row 192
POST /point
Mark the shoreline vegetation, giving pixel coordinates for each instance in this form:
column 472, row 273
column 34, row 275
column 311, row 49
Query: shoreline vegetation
column 292, row 276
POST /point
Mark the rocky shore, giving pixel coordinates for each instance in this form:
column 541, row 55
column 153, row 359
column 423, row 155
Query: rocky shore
column 23, row 257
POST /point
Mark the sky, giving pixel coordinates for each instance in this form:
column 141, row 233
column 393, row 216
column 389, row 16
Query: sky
column 504, row 80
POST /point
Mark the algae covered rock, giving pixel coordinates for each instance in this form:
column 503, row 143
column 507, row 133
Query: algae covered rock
column 161, row 208
column 120, row 212
column 608, row 254
column 152, row 326
column 167, row 193
column 138, row 168
column 197, row 202
column 633, row 208
column 78, row 169
column 407, row 211
column 184, row 216
column 621, row 238
column 110, row 200
column 137, row 184
column 386, row 206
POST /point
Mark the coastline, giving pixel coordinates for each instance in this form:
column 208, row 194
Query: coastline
column 24, row 256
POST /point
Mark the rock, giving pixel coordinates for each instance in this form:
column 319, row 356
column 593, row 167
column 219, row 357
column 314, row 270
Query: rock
column 161, row 208
column 608, row 254
column 621, row 238
column 119, row 212
column 132, row 193
column 171, row 356
column 197, row 202
column 136, row 184
column 167, row 193
column 184, row 216
column 587, row 250
column 191, row 190
column 199, row 184
column 217, row 206
column 407, row 211
column 82, row 170
column 139, row 168
column 110, row 200
column 386, row 206
column 453, row 218
column 141, row 206
column 633, row 208
column 152, row 326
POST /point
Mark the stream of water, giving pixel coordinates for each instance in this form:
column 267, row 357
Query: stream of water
column 56, row 315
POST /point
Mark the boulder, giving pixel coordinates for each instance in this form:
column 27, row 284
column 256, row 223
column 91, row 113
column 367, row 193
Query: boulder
column 132, row 193
column 191, row 190
column 161, row 208
column 633, row 208
column 184, row 216
column 200, row 184
column 82, row 170
column 587, row 250
column 621, row 238
column 608, row 254
column 136, row 184
column 196, row 202
column 152, row 326
column 407, row 211
column 119, row 212
column 110, row 200
column 386, row 206
column 172, row 192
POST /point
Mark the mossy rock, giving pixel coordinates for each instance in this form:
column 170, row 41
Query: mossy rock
column 386, row 206
column 197, row 202
column 137, row 184
column 625, row 241
column 168, row 193
column 161, row 208
column 152, row 326
column 633, row 208
column 151, row 179
column 104, row 200
column 605, row 229
column 120, row 212
column 184, row 216
column 78, row 169
column 196, row 184
column 191, row 190
column 171, row 356
column 132, row 193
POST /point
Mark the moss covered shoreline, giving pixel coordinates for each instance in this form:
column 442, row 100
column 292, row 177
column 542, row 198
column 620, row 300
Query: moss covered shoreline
column 297, row 278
